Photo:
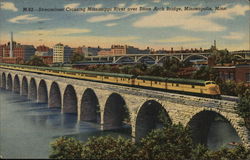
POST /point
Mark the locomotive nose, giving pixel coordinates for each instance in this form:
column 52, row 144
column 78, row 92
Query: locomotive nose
column 214, row 89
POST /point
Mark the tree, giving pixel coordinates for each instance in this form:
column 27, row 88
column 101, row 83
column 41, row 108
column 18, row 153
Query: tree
column 66, row 148
column 108, row 147
column 36, row 61
column 77, row 57
column 237, row 153
column 243, row 107
column 205, row 73
column 171, row 142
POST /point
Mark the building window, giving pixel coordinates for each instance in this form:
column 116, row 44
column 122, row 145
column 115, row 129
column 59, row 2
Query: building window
column 227, row 76
column 231, row 76
column 248, row 77
column 222, row 75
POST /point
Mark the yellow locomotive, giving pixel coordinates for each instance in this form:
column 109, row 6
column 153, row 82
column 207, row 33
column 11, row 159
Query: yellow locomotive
column 185, row 86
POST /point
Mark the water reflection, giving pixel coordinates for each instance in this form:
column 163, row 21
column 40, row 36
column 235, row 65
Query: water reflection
column 27, row 128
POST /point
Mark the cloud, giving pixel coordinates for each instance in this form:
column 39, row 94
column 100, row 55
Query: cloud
column 111, row 17
column 184, row 20
column 98, row 6
column 71, row 40
column 229, row 13
column 57, row 32
column 111, row 24
column 178, row 39
column 8, row 6
column 156, row 1
column 121, row 5
column 72, row 5
column 234, row 36
column 105, row 18
column 166, row 3
column 189, row 20
column 26, row 19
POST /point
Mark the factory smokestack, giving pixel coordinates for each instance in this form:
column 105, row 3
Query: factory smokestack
column 11, row 44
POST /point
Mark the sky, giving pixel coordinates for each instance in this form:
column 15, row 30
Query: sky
column 132, row 22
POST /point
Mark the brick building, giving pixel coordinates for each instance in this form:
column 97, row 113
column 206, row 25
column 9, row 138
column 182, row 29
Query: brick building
column 123, row 49
column 21, row 53
column 238, row 73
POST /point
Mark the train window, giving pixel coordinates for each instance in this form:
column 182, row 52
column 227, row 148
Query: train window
column 105, row 77
column 155, row 82
column 172, row 84
column 177, row 85
column 143, row 81
column 193, row 86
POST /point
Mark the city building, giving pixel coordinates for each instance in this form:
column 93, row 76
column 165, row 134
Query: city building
column 121, row 50
column 239, row 73
column 91, row 51
column 16, row 53
column 20, row 53
column 61, row 53
column 42, row 48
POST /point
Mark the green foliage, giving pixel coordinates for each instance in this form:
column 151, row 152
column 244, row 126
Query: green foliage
column 108, row 147
column 205, row 73
column 243, row 107
column 238, row 153
column 223, row 56
column 66, row 148
column 232, row 88
column 172, row 142
column 36, row 61
column 77, row 57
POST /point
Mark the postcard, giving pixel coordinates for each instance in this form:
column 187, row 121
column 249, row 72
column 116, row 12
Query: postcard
column 124, row 79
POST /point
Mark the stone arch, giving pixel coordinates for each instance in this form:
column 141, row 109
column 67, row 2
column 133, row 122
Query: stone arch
column 69, row 100
column 55, row 98
column 32, row 90
column 188, row 57
column 164, row 57
column 42, row 92
column 16, row 84
column 116, row 113
column 202, row 123
column 238, row 56
column 123, row 57
column 146, row 56
column 25, row 90
column 3, row 80
column 9, row 82
column 150, row 116
column 90, row 109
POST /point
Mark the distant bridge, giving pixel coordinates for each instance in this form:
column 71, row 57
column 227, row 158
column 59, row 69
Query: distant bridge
column 158, row 58
column 110, row 105
column 245, row 54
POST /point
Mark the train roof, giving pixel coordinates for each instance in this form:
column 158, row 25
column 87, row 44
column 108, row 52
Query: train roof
column 93, row 72
column 186, row 81
column 173, row 80
column 152, row 78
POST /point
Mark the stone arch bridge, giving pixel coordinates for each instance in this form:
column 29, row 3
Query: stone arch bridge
column 113, row 105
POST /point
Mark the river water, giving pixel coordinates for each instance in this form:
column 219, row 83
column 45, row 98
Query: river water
column 27, row 128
